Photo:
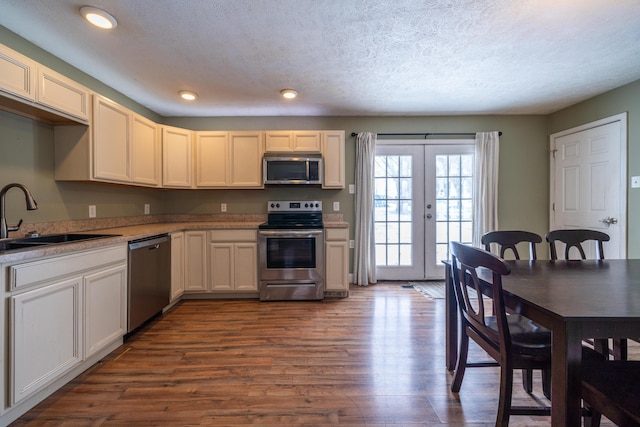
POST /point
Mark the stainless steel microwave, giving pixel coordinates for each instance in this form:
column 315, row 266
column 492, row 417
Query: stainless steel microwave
column 279, row 169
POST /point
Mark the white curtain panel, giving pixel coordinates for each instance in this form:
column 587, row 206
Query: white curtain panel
column 485, row 206
column 364, row 264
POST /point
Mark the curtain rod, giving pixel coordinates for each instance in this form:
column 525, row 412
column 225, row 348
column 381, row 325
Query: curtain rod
column 426, row 134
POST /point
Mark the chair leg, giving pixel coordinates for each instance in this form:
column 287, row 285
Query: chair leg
column 461, row 365
column 591, row 417
column 620, row 349
column 546, row 383
column 506, row 389
column 527, row 380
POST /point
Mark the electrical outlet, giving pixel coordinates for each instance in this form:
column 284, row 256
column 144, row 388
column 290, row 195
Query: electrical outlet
column 336, row 206
column 352, row 244
column 223, row 207
column 352, row 189
column 92, row 211
column 147, row 208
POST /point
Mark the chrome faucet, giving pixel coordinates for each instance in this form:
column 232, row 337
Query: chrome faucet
column 31, row 205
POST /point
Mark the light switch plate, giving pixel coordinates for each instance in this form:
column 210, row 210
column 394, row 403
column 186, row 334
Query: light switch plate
column 635, row 182
column 147, row 208
column 92, row 211
column 352, row 189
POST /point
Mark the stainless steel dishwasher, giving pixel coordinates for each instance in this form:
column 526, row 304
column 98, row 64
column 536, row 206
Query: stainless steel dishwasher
column 149, row 278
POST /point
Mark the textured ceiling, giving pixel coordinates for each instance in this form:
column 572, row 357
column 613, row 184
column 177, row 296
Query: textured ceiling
column 345, row 57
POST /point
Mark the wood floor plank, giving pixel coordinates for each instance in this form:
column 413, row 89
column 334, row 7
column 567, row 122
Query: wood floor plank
column 375, row 359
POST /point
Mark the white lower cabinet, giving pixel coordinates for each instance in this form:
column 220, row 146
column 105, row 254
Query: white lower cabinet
column 336, row 260
column 64, row 313
column 195, row 258
column 46, row 338
column 105, row 308
column 177, row 265
column 234, row 260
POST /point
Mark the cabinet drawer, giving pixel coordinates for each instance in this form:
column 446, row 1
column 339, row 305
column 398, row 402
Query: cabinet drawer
column 46, row 270
column 233, row 236
column 336, row 233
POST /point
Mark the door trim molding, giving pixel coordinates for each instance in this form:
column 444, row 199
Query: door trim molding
column 623, row 177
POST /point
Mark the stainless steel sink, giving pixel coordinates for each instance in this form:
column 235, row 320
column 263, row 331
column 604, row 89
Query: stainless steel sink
column 51, row 239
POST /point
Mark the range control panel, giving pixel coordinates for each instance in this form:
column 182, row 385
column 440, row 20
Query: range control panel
column 294, row 206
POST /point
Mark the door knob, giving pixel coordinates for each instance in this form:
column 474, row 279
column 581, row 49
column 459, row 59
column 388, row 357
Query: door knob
column 608, row 221
column 429, row 216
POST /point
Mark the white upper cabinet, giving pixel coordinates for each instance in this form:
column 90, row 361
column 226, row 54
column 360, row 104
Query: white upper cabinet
column 212, row 159
column 177, row 157
column 229, row 159
column 282, row 141
column 246, row 150
column 17, row 74
column 62, row 94
column 111, row 135
column 333, row 154
column 146, row 156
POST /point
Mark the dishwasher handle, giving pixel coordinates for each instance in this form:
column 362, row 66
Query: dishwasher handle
column 151, row 243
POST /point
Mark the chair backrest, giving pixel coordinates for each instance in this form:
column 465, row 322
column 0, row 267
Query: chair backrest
column 573, row 238
column 465, row 261
column 508, row 239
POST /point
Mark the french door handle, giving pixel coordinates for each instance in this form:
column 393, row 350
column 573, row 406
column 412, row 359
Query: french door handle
column 608, row 221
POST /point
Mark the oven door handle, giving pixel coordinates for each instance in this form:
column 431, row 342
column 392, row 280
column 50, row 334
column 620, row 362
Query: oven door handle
column 283, row 233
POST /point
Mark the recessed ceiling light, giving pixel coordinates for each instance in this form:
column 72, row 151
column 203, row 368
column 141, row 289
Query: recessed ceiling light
column 288, row 93
column 98, row 17
column 187, row 95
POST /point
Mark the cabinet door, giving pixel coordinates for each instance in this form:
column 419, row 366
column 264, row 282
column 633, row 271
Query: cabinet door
column 307, row 141
column 212, row 159
column 46, row 336
column 337, row 266
column 62, row 94
column 246, row 159
column 110, row 140
column 105, row 301
column 195, row 256
column 333, row 158
column 222, row 266
column 145, row 151
column 17, row 74
column 246, row 266
column 177, row 265
column 177, row 157
column 278, row 141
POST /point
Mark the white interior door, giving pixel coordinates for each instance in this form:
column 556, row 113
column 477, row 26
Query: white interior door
column 588, row 181
column 423, row 200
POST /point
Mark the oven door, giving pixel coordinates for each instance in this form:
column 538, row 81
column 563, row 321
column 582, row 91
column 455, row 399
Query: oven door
column 291, row 261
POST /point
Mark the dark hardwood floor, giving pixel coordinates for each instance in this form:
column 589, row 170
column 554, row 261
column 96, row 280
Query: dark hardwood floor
column 373, row 359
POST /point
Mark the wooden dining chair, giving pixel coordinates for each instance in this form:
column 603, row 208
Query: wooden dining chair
column 574, row 238
column 509, row 239
column 513, row 341
column 611, row 388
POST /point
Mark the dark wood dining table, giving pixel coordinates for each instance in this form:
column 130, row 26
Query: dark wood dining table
column 575, row 300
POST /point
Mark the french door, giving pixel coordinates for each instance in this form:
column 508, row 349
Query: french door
column 423, row 200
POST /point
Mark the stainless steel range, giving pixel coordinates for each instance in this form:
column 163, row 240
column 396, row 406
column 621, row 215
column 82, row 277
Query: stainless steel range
column 291, row 251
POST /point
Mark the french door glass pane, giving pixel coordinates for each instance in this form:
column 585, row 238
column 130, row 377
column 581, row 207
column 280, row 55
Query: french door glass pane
column 454, row 201
column 393, row 207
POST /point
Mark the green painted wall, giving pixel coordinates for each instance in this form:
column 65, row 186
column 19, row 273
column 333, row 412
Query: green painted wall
column 620, row 100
